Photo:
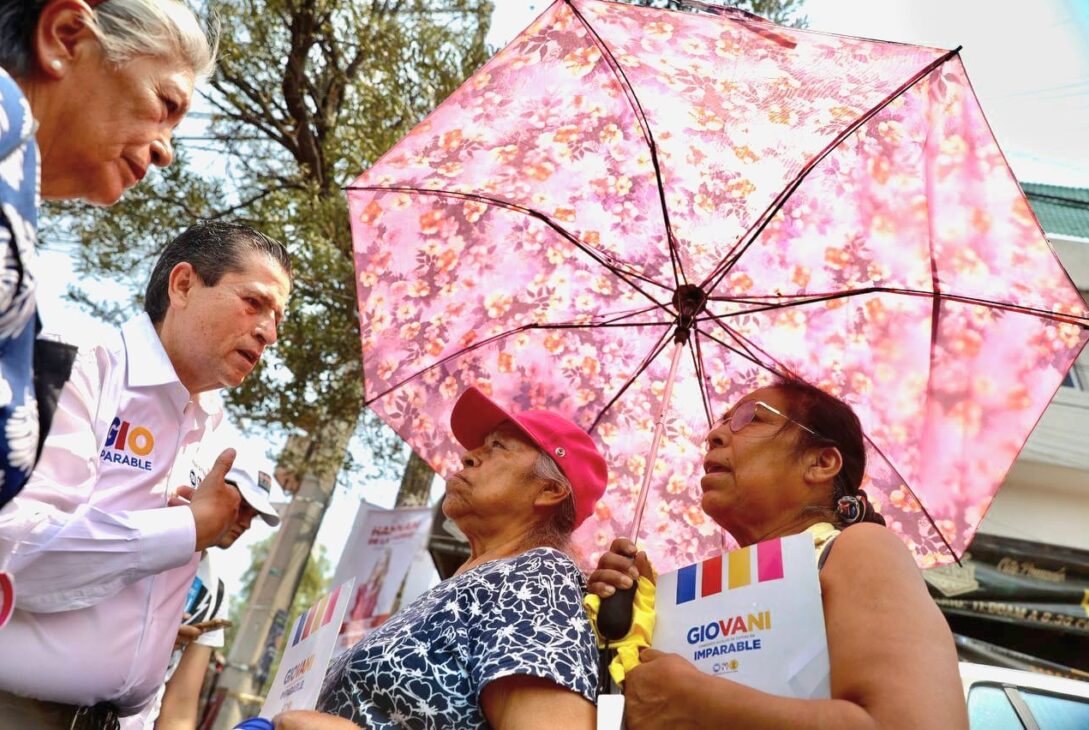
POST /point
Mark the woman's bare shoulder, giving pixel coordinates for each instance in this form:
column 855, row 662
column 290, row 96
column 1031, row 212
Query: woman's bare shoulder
column 869, row 552
column 881, row 622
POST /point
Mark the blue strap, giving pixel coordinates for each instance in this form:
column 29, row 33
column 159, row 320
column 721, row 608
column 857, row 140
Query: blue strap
column 254, row 723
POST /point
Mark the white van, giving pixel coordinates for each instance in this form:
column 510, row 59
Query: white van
column 1009, row 699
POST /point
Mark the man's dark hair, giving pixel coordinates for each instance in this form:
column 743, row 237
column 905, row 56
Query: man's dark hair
column 212, row 248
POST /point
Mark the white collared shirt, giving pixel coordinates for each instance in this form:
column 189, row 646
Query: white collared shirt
column 102, row 566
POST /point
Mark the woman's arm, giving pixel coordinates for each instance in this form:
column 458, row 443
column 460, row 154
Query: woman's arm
column 892, row 657
column 891, row 649
column 517, row 702
column 667, row 691
column 182, row 696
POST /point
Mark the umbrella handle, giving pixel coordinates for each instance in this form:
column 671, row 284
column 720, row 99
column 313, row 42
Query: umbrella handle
column 614, row 618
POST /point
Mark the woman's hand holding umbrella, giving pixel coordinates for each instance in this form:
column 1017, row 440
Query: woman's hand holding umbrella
column 623, row 622
column 619, row 567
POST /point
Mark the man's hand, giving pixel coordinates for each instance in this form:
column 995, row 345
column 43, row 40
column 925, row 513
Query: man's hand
column 186, row 634
column 214, row 503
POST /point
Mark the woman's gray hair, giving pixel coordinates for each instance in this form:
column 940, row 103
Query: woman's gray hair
column 556, row 530
column 126, row 29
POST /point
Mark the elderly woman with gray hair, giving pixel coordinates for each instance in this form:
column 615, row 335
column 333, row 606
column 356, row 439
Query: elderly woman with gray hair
column 504, row 643
column 90, row 92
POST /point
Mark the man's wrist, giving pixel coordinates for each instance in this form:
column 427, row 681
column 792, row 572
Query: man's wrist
column 169, row 535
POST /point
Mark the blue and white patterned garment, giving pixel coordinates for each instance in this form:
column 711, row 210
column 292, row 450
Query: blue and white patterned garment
column 18, row 231
column 427, row 666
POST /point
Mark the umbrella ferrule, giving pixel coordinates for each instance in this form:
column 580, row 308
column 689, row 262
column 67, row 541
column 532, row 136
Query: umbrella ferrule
column 689, row 301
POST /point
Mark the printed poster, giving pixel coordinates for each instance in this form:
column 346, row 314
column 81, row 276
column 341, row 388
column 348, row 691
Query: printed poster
column 378, row 554
column 306, row 656
column 752, row 615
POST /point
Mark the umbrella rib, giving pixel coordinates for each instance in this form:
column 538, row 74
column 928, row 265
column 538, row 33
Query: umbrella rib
column 925, row 511
column 624, row 315
column 620, row 272
column 697, row 360
column 502, row 335
column 648, row 135
column 655, row 351
column 814, row 298
column 744, row 354
column 716, row 276
column 737, row 337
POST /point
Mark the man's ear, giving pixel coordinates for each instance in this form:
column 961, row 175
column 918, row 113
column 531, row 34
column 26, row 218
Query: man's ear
column 551, row 494
column 62, row 26
column 183, row 279
column 824, row 463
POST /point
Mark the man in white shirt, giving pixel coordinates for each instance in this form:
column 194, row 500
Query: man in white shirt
column 177, row 703
column 104, row 540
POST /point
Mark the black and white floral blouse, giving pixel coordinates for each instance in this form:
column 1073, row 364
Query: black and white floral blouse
column 428, row 665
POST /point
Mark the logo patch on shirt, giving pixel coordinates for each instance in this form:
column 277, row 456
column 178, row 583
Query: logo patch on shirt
column 128, row 445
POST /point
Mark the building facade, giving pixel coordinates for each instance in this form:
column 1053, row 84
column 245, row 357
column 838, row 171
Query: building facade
column 1045, row 497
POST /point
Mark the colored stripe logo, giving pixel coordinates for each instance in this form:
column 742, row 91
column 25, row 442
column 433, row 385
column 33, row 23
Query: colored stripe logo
column 331, row 607
column 297, row 633
column 708, row 575
column 320, row 614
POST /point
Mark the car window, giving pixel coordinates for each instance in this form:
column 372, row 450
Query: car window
column 1053, row 712
column 989, row 709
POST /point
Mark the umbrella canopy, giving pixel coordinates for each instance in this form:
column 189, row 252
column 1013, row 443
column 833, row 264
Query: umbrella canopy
column 829, row 207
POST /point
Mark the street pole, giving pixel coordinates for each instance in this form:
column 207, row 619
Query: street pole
column 312, row 468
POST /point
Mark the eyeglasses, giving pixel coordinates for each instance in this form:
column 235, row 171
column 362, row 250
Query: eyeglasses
column 744, row 414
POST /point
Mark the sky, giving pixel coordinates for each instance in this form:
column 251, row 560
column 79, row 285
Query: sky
column 1029, row 64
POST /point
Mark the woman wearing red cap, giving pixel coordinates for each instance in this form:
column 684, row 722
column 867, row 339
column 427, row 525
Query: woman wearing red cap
column 503, row 643
column 90, row 92
column 788, row 459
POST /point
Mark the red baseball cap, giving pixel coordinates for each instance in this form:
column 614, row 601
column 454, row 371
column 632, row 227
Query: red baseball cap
column 475, row 415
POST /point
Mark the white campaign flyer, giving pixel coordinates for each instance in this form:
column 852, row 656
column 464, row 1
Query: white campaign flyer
column 306, row 654
column 752, row 615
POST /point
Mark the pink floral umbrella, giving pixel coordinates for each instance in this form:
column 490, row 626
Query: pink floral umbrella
column 625, row 201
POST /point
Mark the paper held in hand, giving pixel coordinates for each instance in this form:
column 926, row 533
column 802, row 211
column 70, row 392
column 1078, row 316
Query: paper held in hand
column 308, row 647
column 752, row 615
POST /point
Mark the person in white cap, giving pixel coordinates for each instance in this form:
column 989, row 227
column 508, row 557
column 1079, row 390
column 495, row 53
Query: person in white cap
column 177, row 704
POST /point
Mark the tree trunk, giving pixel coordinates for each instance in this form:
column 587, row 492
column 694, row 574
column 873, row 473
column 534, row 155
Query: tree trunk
column 313, row 464
column 415, row 483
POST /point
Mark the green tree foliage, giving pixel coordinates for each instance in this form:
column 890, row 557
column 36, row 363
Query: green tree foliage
column 306, row 95
column 312, row 586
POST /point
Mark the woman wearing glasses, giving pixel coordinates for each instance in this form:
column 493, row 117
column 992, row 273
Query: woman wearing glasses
column 90, row 93
column 788, row 459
